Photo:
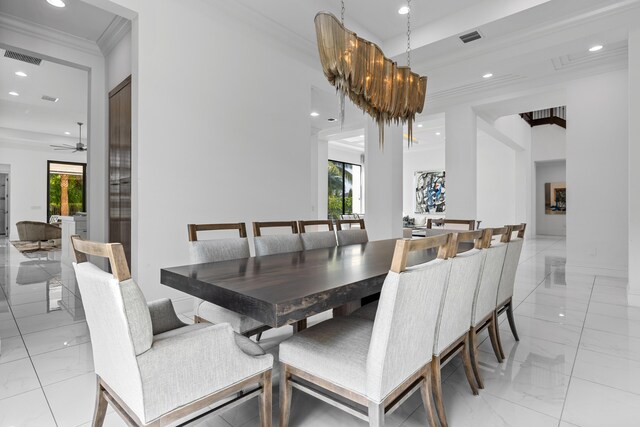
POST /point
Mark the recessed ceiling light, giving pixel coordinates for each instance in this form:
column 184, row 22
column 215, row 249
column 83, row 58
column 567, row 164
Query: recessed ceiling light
column 595, row 48
column 403, row 10
column 420, row 126
column 12, row 93
column 487, row 76
column 67, row 133
column 21, row 74
column 314, row 114
column 56, row 3
column 437, row 133
column 331, row 119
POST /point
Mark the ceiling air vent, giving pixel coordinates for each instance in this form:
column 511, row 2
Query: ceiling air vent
column 49, row 98
column 474, row 35
column 21, row 57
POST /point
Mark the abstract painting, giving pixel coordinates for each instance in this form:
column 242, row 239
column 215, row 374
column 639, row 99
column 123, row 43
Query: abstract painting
column 555, row 196
column 430, row 192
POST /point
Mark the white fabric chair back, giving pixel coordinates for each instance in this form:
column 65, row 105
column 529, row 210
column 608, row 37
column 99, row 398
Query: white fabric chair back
column 487, row 289
column 404, row 327
column 352, row 237
column 457, row 299
column 318, row 239
column 215, row 250
column 277, row 244
column 120, row 327
column 508, row 277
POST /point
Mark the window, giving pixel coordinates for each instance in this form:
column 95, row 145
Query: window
column 345, row 189
column 65, row 188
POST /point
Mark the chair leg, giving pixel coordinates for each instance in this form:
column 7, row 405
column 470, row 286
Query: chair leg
column 425, row 391
column 376, row 414
column 436, row 389
column 259, row 336
column 494, row 338
column 473, row 353
column 285, row 395
column 468, row 369
column 495, row 320
column 512, row 321
column 265, row 401
column 101, row 405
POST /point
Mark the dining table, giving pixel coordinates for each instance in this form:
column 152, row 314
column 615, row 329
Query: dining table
column 287, row 288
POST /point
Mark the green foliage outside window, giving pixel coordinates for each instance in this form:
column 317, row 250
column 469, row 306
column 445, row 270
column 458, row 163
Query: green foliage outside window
column 74, row 193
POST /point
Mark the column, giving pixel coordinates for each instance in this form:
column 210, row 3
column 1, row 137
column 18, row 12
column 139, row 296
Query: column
column 383, row 182
column 461, row 162
column 634, row 171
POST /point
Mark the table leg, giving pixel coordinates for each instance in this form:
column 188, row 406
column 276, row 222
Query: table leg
column 347, row 309
column 300, row 325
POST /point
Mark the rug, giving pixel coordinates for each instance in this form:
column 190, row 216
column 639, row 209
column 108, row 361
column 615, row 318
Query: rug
column 28, row 246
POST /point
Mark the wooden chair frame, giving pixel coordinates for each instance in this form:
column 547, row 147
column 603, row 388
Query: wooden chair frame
column 507, row 305
column 105, row 395
column 259, row 225
column 375, row 412
column 491, row 320
column 340, row 222
column 471, row 223
column 194, row 228
column 304, row 223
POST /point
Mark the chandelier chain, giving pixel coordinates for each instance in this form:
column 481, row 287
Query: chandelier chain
column 409, row 33
column 342, row 13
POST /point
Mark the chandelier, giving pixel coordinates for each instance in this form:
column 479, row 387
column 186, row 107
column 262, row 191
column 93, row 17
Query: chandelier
column 373, row 82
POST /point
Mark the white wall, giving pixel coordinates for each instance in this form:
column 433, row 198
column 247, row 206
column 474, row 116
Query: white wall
column 634, row 171
column 118, row 62
column 28, row 179
column 548, row 142
column 415, row 160
column 227, row 141
column 344, row 155
column 496, row 175
column 548, row 172
column 597, row 173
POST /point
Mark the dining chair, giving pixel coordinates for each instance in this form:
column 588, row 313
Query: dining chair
column 452, row 326
column 374, row 365
column 347, row 235
column 151, row 367
column 452, row 224
column 317, row 239
column 483, row 313
column 504, row 301
column 276, row 243
column 216, row 250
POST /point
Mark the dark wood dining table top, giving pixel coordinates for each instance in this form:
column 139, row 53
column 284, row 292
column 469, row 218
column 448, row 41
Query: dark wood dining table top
column 285, row 288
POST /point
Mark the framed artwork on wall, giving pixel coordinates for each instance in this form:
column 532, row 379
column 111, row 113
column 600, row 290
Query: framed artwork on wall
column 430, row 192
column 555, row 196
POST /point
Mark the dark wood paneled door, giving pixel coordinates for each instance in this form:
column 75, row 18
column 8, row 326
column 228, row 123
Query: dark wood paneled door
column 120, row 166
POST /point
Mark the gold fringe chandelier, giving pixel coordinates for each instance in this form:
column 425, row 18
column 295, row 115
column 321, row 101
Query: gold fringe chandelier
column 373, row 82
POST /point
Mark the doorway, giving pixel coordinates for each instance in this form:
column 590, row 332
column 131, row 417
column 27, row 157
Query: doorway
column 66, row 188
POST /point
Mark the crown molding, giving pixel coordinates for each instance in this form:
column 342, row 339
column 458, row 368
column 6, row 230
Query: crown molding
column 116, row 31
column 27, row 28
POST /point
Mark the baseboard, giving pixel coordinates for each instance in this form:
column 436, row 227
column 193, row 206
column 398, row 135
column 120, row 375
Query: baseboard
column 597, row 271
column 183, row 305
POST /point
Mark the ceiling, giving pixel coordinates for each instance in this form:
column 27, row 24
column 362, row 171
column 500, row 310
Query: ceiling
column 28, row 112
column 78, row 18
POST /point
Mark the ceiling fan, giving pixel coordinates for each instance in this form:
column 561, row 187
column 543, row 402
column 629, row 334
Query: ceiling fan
column 78, row 147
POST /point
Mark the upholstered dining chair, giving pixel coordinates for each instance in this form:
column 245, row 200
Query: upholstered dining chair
column 483, row 314
column 276, row 243
column 452, row 224
column 348, row 235
column 317, row 239
column 504, row 301
column 452, row 327
column 152, row 368
column 215, row 250
column 374, row 365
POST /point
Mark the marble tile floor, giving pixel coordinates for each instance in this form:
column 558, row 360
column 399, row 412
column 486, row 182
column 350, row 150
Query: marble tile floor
column 577, row 363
